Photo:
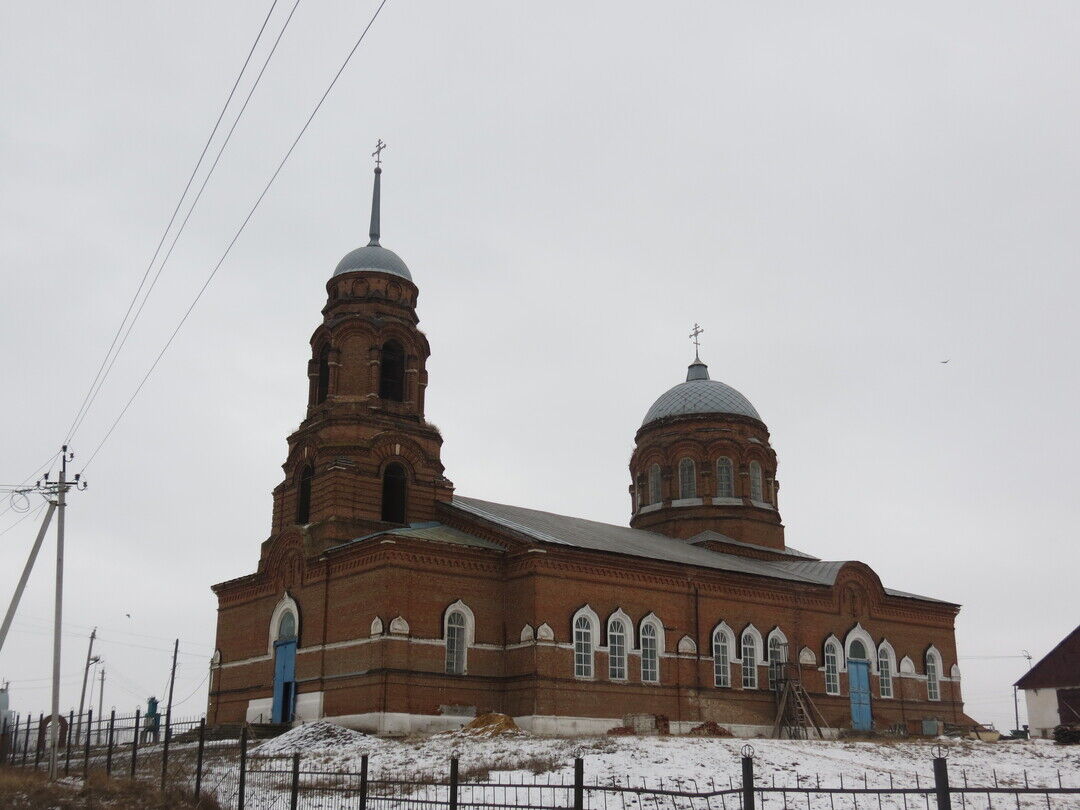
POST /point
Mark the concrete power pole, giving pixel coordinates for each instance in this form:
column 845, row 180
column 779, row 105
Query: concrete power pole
column 101, row 703
column 82, row 694
column 54, row 714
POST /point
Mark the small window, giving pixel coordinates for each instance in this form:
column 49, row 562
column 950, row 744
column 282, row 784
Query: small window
column 755, row 481
column 392, row 372
column 749, row 661
column 322, row 385
column 832, row 669
column 650, row 663
column 654, row 484
column 616, row 634
column 286, row 627
column 583, row 647
column 303, row 496
column 721, row 659
column 687, row 479
column 857, row 650
column 455, row 643
column 933, row 677
column 777, row 657
column 725, row 478
column 393, row 494
column 885, row 673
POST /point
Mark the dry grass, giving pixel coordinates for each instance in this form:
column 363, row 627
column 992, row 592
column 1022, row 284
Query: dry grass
column 22, row 789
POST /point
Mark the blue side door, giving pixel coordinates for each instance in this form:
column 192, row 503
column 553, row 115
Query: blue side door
column 859, row 687
column 284, row 680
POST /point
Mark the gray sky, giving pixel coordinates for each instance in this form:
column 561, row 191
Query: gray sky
column 843, row 195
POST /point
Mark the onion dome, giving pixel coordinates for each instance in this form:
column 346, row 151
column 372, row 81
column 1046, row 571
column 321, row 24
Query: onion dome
column 373, row 257
column 700, row 395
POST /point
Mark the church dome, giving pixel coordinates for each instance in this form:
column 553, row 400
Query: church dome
column 700, row 395
column 373, row 258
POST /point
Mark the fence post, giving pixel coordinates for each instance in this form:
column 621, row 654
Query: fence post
column 40, row 740
column 67, row 743
column 294, row 796
column 243, row 768
column 109, row 743
column 165, row 751
column 135, row 744
column 86, row 744
column 748, row 777
column 941, row 779
column 199, row 757
column 26, row 741
column 453, row 782
column 3, row 740
column 363, row 782
column 579, row 784
column 9, row 754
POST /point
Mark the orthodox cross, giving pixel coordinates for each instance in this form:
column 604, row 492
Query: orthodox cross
column 697, row 330
column 377, row 154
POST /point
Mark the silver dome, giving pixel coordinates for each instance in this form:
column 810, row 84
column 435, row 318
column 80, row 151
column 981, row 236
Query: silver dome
column 373, row 258
column 701, row 395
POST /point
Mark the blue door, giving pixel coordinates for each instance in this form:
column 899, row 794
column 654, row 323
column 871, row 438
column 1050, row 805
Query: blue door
column 284, row 680
column 859, row 687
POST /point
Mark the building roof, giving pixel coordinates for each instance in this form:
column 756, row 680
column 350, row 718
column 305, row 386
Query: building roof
column 700, row 395
column 1059, row 667
column 433, row 532
column 716, row 537
column 373, row 258
column 546, row 527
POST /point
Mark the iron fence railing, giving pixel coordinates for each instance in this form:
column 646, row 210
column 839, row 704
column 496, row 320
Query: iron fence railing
column 188, row 756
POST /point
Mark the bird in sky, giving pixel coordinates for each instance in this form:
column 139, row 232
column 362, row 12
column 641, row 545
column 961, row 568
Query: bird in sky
column 943, row 362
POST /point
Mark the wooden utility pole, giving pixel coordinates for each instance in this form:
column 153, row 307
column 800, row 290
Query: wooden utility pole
column 168, row 717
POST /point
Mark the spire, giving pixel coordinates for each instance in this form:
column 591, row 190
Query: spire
column 697, row 369
column 373, row 231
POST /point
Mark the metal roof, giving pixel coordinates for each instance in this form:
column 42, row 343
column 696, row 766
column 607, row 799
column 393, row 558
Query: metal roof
column 373, row 258
column 432, row 532
column 699, row 394
column 717, row 537
column 1058, row 668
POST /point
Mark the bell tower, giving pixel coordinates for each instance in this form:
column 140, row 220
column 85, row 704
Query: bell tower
column 364, row 458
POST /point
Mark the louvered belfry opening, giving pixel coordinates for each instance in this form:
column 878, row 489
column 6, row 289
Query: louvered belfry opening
column 393, row 494
column 392, row 372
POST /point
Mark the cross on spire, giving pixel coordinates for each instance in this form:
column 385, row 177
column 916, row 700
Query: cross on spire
column 697, row 330
column 377, row 154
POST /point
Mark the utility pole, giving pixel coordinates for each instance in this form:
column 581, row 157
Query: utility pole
column 172, row 682
column 26, row 574
column 82, row 694
column 101, row 703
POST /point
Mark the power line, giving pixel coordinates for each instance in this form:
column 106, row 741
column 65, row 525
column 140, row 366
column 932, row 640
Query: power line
column 91, row 393
column 33, row 513
column 236, row 236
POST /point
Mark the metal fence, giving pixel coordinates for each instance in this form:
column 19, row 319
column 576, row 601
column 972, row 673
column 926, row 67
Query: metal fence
column 188, row 756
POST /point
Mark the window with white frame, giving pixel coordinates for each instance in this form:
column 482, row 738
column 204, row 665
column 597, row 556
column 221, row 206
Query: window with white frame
column 455, row 643
column 755, row 481
column 687, row 479
column 884, row 673
column 721, row 659
column 777, row 657
column 725, row 478
column 933, row 676
column 832, row 668
column 616, row 639
column 583, row 647
column 655, row 495
column 749, row 661
column 287, row 626
column 650, row 654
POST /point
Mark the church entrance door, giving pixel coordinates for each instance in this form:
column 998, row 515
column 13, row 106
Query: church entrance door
column 284, row 680
column 859, row 687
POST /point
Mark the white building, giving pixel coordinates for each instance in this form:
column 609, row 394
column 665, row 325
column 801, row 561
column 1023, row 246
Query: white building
column 1052, row 688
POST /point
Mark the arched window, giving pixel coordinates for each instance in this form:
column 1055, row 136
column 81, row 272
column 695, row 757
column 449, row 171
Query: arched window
column 654, row 484
column 749, row 660
column 755, row 481
column 650, row 654
column 721, row 654
column 322, row 385
column 857, row 650
column 832, row 668
column 455, row 643
column 393, row 493
column 583, row 647
column 885, row 672
column 392, row 372
column 286, row 627
column 725, row 478
column 933, row 675
column 616, row 639
column 777, row 657
column 687, row 479
column 303, row 496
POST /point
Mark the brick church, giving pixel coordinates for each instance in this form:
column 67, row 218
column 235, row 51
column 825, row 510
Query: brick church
column 386, row 602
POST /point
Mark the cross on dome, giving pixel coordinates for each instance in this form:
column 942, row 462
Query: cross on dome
column 697, row 330
column 377, row 154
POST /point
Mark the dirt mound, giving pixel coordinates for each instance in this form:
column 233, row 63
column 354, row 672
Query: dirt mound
column 492, row 724
column 309, row 737
column 709, row 729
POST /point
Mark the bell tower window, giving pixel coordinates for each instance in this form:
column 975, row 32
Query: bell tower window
column 392, row 372
column 755, row 481
column 393, row 494
column 303, row 496
column 322, row 387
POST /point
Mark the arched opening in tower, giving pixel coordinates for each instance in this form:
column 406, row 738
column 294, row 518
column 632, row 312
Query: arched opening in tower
column 393, row 494
column 392, row 372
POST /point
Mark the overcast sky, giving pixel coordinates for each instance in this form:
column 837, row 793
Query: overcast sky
column 844, row 195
